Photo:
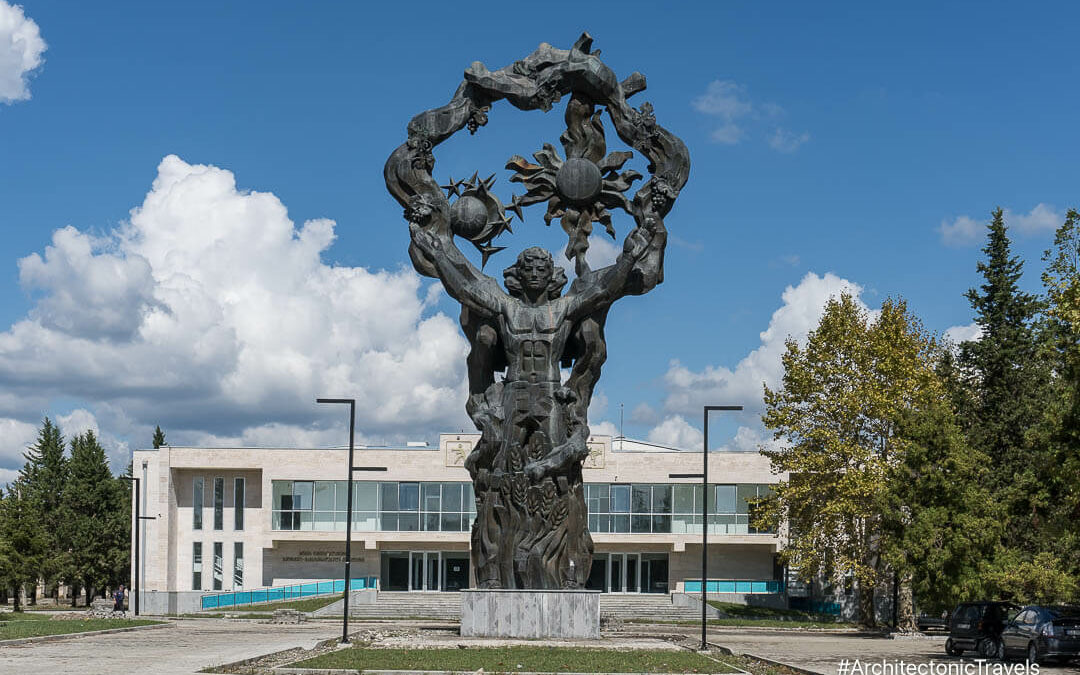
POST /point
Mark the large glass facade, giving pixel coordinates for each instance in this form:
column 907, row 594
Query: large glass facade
column 387, row 507
column 638, row 508
column 671, row 509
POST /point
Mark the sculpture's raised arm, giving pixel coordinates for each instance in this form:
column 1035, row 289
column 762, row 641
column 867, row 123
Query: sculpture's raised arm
column 460, row 278
column 641, row 258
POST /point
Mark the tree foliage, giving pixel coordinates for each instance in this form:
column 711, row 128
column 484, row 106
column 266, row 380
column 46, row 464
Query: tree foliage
column 841, row 419
column 65, row 518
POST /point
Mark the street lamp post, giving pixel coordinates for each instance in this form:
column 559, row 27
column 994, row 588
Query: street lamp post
column 704, row 475
column 135, row 536
column 348, row 516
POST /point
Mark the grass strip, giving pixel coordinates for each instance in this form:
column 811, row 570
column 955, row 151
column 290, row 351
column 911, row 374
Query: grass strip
column 14, row 630
column 519, row 658
column 736, row 611
column 24, row 616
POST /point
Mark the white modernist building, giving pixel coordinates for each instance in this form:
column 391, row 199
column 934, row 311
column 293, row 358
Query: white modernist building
column 232, row 519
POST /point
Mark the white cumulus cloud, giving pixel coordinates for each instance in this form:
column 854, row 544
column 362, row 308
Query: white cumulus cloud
column 968, row 333
column 15, row 437
column 212, row 314
column 1042, row 218
column 803, row 305
column 787, row 141
column 726, row 100
column 966, row 231
column 963, row 231
column 676, row 432
column 21, row 48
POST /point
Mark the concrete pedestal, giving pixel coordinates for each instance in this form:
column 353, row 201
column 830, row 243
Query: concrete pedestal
column 530, row 613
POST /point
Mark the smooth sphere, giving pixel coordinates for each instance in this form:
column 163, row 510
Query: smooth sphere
column 468, row 217
column 579, row 181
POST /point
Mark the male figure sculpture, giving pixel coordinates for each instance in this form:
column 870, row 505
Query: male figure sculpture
column 531, row 520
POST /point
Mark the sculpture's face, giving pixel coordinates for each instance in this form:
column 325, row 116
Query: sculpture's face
column 535, row 274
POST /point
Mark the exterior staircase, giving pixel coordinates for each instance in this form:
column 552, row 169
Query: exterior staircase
column 646, row 606
column 447, row 606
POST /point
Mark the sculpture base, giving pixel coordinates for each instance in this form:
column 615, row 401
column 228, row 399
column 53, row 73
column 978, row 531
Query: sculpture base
column 530, row 613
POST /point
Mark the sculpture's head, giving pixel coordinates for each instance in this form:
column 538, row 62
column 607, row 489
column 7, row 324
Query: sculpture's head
column 534, row 274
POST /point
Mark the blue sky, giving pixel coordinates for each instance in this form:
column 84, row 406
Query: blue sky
column 840, row 146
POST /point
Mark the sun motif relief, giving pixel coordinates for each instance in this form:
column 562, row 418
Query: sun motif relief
column 581, row 189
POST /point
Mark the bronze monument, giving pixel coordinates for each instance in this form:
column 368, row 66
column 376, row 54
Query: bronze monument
column 531, row 522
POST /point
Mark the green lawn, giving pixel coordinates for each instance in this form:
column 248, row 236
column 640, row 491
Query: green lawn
column 781, row 616
column 511, row 659
column 13, row 626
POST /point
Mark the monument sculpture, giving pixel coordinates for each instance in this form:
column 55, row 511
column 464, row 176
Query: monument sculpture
column 531, row 528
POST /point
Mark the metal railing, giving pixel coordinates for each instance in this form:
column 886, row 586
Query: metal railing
column 752, row 586
column 288, row 592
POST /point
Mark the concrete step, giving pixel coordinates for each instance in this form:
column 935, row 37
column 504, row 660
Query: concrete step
column 448, row 606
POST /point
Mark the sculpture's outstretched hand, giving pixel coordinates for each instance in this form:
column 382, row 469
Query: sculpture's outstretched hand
column 638, row 241
column 425, row 241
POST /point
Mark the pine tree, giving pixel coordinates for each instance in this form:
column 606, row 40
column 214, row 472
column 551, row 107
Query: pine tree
column 23, row 540
column 89, row 528
column 159, row 437
column 1008, row 384
column 43, row 477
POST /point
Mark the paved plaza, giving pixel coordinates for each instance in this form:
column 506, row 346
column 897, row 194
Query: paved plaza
column 186, row 647
column 189, row 645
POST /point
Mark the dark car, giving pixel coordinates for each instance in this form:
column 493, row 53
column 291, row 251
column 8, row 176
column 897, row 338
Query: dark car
column 926, row 622
column 977, row 626
column 1043, row 633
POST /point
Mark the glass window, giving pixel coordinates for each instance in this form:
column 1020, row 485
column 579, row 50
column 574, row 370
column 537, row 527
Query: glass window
column 620, row 499
column 219, row 565
column 196, row 566
column 725, row 499
column 238, row 503
column 325, row 495
column 661, row 499
column 746, row 494
column 684, row 499
column 640, row 524
column 302, row 494
column 470, row 498
column 409, row 496
column 432, row 496
column 282, row 491
column 365, row 496
column 341, row 488
column 389, row 494
column 238, row 566
column 196, row 503
column 641, row 498
column 219, row 503
column 451, row 497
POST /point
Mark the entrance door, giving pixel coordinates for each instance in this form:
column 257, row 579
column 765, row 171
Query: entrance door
column 633, row 573
column 615, row 573
column 455, row 573
column 426, row 571
column 624, row 573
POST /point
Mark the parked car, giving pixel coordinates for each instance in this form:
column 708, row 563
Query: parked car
column 1041, row 633
column 977, row 626
column 926, row 622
